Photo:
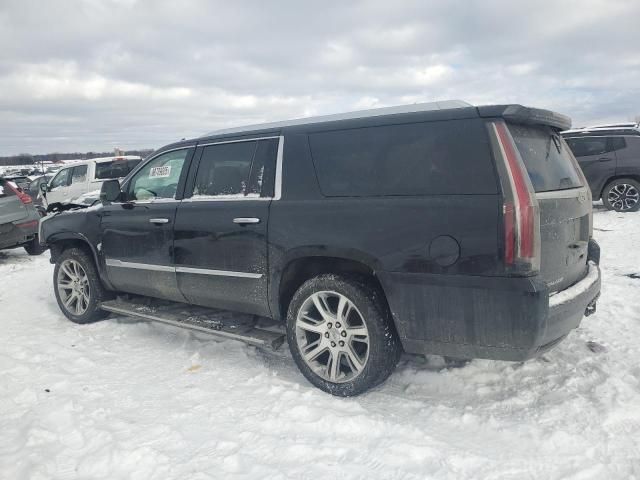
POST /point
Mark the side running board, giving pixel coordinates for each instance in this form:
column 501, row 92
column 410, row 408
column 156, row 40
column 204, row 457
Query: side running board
column 259, row 331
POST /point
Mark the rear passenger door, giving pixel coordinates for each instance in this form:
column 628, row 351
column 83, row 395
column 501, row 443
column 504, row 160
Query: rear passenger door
column 597, row 160
column 220, row 234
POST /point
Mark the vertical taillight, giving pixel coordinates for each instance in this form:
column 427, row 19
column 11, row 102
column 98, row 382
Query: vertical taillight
column 521, row 213
column 24, row 197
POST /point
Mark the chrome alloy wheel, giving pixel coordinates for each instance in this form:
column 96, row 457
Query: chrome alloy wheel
column 623, row 196
column 73, row 287
column 332, row 337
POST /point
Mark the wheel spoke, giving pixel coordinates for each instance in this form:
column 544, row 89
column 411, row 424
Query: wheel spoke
column 66, row 285
column 359, row 331
column 68, row 301
column 320, row 302
column 311, row 325
column 356, row 364
column 67, row 271
column 344, row 309
column 333, row 368
column 312, row 350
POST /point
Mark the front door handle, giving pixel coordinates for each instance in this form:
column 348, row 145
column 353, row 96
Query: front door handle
column 158, row 221
column 246, row 220
column 605, row 159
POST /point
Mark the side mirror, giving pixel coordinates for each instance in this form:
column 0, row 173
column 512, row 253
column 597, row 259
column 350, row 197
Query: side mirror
column 110, row 191
column 44, row 188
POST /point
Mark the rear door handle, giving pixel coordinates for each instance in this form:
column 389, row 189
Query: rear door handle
column 605, row 159
column 246, row 220
column 158, row 221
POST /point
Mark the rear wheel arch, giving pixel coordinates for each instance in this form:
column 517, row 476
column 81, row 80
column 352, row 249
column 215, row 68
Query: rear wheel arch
column 606, row 183
column 299, row 270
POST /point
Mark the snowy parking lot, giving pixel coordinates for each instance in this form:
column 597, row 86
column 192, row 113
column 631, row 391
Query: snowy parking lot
column 131, row 400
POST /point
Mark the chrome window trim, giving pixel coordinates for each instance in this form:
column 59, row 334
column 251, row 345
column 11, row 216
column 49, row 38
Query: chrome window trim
column 277, row 188
column 253, row 139
column 113, row 262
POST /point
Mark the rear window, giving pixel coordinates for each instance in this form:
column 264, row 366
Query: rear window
column 546, row 157
column 431, row 158
column 115, row 169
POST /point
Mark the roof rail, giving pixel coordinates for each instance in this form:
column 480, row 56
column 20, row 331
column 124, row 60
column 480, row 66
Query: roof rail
column 374, row 112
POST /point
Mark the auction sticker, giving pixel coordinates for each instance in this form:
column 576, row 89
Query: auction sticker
column 160, row 172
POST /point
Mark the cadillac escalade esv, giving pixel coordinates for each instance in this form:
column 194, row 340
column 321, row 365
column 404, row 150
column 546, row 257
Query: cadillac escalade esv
column 437, row 228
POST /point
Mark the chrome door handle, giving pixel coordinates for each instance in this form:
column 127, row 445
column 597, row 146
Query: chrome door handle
column 246, row 220
column 158, row 221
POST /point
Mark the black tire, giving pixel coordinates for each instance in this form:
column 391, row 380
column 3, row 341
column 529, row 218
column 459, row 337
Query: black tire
column 96, row 292
column 631, row 188
column 34, row 247
column 383, row 349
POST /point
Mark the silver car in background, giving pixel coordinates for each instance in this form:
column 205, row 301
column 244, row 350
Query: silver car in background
column 19, row 219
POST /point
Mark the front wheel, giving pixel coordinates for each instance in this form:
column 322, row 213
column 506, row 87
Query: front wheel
column 341, row 336
column 77, row 286
column 622, row 195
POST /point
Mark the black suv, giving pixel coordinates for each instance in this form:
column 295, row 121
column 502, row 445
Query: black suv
column 610, row 159
column 431, row 228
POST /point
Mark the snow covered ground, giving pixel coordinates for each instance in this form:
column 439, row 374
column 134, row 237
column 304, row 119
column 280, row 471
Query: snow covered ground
column 126, row 400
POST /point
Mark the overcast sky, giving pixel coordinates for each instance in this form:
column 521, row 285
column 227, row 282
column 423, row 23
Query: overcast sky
column 93, row 75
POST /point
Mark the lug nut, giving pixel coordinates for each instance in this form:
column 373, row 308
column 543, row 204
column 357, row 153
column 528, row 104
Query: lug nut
column 341, row 343
column 333, row 344
column 344, row 334
column 329, row 325
column 326, row 334
column 338, row 325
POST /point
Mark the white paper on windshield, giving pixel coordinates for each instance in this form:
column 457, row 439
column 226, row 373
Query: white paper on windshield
column 160, row 172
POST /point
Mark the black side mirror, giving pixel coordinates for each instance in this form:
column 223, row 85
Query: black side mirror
column 110, row 191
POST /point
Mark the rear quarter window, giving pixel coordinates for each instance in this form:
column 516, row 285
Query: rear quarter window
column 431, row 158
column 547, row 158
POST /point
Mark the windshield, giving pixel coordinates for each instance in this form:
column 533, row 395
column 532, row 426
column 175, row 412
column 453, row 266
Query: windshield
column 547, row 158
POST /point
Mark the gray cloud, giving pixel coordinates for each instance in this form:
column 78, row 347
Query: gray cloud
column 92, row 75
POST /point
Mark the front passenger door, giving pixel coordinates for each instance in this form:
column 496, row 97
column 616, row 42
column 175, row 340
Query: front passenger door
column 137, row 233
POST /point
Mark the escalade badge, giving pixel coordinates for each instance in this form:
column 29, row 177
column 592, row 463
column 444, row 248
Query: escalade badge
column 582, row 197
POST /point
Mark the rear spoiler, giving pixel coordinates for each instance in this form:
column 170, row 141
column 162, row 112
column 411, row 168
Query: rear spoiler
column 526, row 115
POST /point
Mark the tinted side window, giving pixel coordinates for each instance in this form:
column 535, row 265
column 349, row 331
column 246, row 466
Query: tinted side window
column 263, row 169
column 451, row 157
column 79, row 174
column 114, row 169
column 583, row 147
column 618, row 143
column 224, row 169
column 158, row 178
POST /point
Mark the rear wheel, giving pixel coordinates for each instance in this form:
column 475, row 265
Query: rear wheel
column 77, row 286
column 622, row 195
column 340, row 335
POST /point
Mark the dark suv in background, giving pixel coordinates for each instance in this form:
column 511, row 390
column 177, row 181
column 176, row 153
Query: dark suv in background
column 431, row 228
column 610, row 159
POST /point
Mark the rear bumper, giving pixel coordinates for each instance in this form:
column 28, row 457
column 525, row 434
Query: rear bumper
column 18, row 233
column 485, row 317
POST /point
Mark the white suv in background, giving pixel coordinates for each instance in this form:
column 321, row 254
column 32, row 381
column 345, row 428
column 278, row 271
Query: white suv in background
column 80, row 178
